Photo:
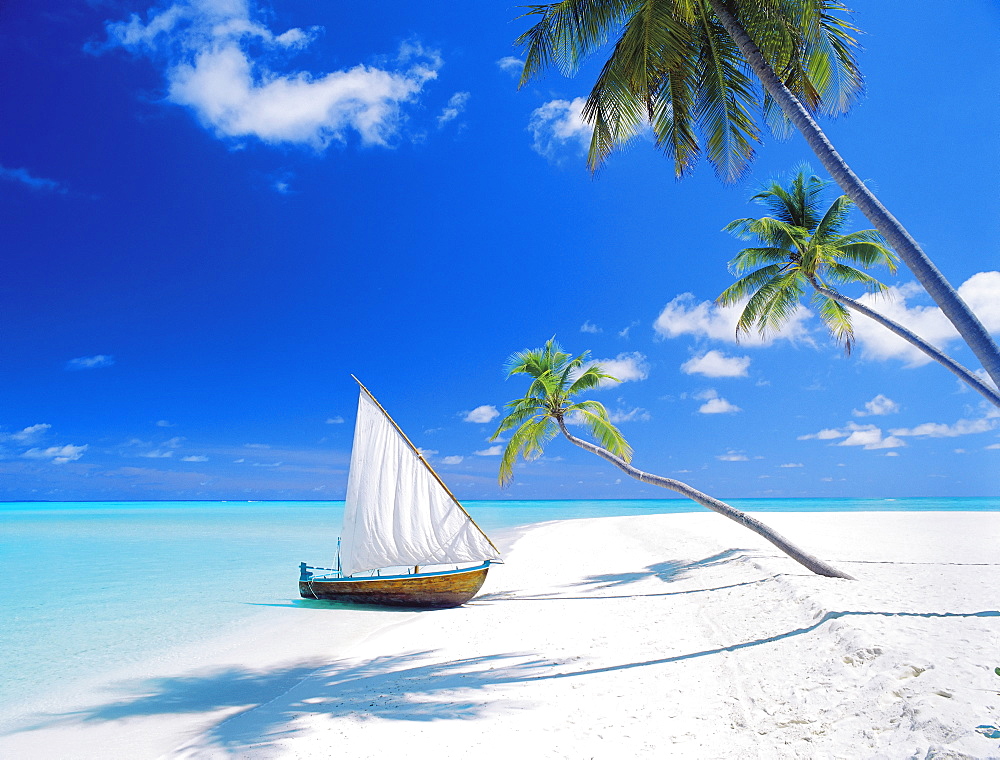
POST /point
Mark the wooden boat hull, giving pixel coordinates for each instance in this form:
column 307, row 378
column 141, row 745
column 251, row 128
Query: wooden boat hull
column 449, row 588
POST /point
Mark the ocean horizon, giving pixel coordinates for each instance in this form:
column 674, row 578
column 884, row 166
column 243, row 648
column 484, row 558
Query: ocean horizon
column 94, row 587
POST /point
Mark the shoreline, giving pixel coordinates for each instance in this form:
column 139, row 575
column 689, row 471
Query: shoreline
column 620, row 636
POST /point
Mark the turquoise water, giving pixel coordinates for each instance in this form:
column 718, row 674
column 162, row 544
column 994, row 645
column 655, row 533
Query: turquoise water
column 90, row 586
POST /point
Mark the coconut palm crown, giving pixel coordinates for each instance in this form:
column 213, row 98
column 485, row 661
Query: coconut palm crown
column 803, row 247
column 674, row 68
column 556, row 377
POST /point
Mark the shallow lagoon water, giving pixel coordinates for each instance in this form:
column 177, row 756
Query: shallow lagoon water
column 89, row 587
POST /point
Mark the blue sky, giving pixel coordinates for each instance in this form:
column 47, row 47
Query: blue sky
column 215, row 211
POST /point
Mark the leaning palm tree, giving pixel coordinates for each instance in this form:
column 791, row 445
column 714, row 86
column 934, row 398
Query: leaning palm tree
column 803, row 247
column 543, row 413
column 682, row 67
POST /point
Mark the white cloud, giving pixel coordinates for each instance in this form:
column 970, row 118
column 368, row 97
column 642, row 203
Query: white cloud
column 492, row 451
column 194, row 459
column 716, row 364
column 427, row 452
column 626, row 367
column 993, row 446
column 24, row 177
column 164, row 423
column 58, row 454
column 90, row 362
column 941, row 430
column 157, row 454
column 456, row 104
column 590, row 327
column 218, row 63
column 511, row 64
column 878, row 406
column 684, row 316
column 714, row 404
column 557, row 125
column 338, row 420
column 482, row 414
column 868, row 436
column 453, row 460
column 27, row 436
column 981, row 292
column 792, row 464
column 636, row 414
column 733, row 456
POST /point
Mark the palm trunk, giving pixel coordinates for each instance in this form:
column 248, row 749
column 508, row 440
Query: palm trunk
column 950, row 364
column 817, row 566
column 944, row 295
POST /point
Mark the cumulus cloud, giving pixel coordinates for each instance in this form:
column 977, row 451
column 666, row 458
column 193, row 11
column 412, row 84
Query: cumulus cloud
column 557, row 126
column 492, row 451
column 878, row 406
column 590, row 327
column 90, row 362
column 24, row 177
column 626, row 367
column 716, row 364
column 981, row 292
column 57, row 454
column 220, row 62
column 454, row 108
column 482, row 414
column 453, row 460
column 684, row 315
column 715, row 404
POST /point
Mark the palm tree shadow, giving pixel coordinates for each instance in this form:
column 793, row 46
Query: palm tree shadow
column 396, row 687
column 667, row 571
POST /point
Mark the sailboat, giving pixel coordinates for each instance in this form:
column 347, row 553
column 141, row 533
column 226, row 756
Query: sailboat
column 403, row 528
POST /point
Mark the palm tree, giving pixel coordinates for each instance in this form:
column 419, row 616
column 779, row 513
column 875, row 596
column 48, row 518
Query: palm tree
column 556, row 377
column 802, row 247
column 680, row 66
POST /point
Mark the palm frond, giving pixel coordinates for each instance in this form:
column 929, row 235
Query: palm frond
column 837, row 318
column 528, row 441
column 746, row 286
column 595, row 417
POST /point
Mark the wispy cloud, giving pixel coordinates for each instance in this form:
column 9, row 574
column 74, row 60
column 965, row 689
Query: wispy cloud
column 28, row 435
column 716, row 364
column 590, row 327
column 220, row 61
column 492, row 451
column 57, row 454
column 867, row 436
column 90, row 362
column 453, row 459
column 194, row 458
column 338, row 420
column 511, row 65
column 26, row 178
column 454, row 108
column 733, row 456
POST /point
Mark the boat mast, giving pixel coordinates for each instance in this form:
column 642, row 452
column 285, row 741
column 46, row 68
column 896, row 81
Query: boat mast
column 425, row 462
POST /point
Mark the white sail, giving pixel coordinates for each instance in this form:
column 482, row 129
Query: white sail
column 397, row 513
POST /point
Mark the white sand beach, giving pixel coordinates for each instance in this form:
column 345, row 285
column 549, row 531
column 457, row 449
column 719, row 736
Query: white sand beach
column 629, row 637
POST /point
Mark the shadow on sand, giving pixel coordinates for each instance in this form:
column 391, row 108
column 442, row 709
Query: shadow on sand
column 407, row 687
